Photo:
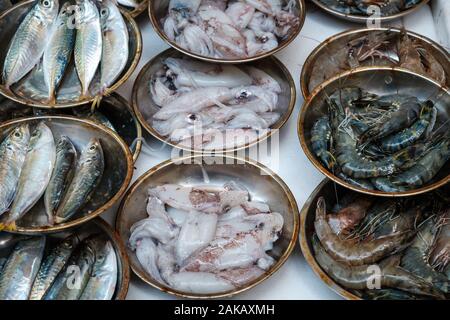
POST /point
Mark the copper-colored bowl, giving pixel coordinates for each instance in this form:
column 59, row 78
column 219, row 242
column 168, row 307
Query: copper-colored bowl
column 114, row 182
column 97, row 226
column 327, row 49
column 327, row 189
column 379, row 80
column 144, row 106
column 157, row 10
column 262, row 184
column 114, row 107
column 31, row 89
column 366, row 19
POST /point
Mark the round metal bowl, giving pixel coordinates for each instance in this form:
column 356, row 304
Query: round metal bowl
column 327, row 49
column 157, row 10
column 114, row 107
column 95, row 226
column 368, row 19
column 144, row 106
column 115, row 180
column 134, row 12
column 379, row 80
column 31, row 89
column 263, row 185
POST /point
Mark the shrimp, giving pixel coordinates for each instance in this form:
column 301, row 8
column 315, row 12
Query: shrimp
column 357, row 277
column 423, row 125
column 387, row 7
column 439, row 257
column 321, row 141
column 414, row 259
column 421, row 172
column 347, row 218
column 346, row 251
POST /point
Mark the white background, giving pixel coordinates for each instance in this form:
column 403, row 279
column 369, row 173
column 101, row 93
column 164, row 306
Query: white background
column 295, row 280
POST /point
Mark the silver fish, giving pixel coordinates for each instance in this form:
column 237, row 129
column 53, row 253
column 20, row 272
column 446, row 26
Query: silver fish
column 35, row 175
column 21, row 268
column 52, row 265
column 71, row 281
column 29, row 41
column 88, row 43
column 130, row 3
column 102, row 283
column 66, row 156
column 115, row 44
column 58, row 52
column 95, row 116
column 88, row 174
column 12, row 157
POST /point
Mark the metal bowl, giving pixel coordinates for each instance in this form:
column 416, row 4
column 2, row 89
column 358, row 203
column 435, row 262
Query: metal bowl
column 379, row 80
column 31, row 90
column 327, row 49
column 95, row 226
column 115, row 180
column 114, row 107
column 144, row 106
column 134, row 12
column 263, row 184
column 157, row 10
column 367, row 19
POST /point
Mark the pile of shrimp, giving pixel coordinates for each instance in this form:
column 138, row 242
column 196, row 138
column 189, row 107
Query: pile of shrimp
column 388, row 249
column 205, row 239
column 380, row 48
column 206, row 106
column 363, row 7
column 229, row 29
column 391, row 143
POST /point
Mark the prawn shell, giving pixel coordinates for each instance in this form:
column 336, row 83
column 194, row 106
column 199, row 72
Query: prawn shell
column 158, row 9
column 144, row 107
column 31, row 90
column 268, row 188
column 373, row 80
column 367, row 19
column 326, row 51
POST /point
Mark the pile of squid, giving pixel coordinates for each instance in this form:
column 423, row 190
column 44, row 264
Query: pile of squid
column 34, row 164
column 205, row 239
column 79, row 267
column 213, row 107
column 365, row 7
column 390, row 142
column 378, row 48
column 230, row 29
column 92, row 31
column 386, row 248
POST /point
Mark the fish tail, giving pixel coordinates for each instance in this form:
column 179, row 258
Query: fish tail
column 8, row 226
column 52, row 99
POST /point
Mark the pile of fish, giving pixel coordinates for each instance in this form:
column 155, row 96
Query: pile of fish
column 213, row 107
column 92, row 31
column 230, row 29
column 209, row 239
column 378, row 48
column 365, row 7
column 34, row 165
column 389, row 143
column 386, row 248
column 42, row 268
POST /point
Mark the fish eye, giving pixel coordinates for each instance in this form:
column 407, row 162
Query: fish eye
column 46, row 3
column 104, row 12
column 17, row 134
column 92, row 148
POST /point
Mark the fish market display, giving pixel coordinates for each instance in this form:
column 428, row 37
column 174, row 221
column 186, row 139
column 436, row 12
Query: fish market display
column 379, row 48
column 230, row 29
column 41, row 166
column 57, row 35
column 79, row 266
column 210, row 106
column 391, row 143
column 365, row 7
column 405, row 239
column 205, row 239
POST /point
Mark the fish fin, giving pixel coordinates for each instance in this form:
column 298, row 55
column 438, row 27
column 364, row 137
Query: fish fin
column 11, row 226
